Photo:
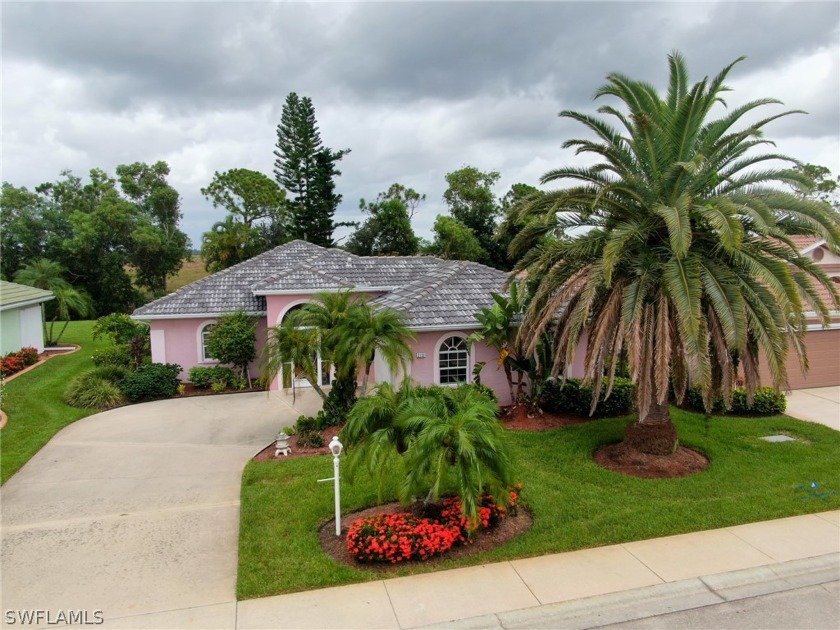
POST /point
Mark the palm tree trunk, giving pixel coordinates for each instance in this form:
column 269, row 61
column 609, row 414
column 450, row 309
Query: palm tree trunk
column 317, row 388
column 656, row 434
column 365, row 379
column 509, row 377
column 61, row 334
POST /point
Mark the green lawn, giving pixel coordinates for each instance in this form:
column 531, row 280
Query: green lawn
column 575, row 503
column 33, row 401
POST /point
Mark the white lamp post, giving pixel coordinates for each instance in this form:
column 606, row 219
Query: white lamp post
column 336, row 448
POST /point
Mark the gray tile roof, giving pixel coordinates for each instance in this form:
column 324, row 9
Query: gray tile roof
column 431, row 291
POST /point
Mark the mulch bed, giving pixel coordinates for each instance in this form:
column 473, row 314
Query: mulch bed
column 336, row 546
column 267, row 454
column 520, row 418
column 191, row 390
column 623, row 459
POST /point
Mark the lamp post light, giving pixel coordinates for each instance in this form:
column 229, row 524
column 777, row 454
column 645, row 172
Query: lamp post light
column 335, row 448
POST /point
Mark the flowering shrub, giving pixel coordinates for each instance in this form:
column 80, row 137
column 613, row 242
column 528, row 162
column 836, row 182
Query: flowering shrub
column 29, row 355
column 11, row 364
column 402, row 536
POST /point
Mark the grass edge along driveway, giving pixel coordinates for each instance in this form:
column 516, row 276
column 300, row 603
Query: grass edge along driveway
column 575, row 503
column 33, row 401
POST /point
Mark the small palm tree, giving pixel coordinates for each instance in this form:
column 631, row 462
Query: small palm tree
column 325, row 313
column 49, row 275
column 686, row 264
column 289, row 343
column 374, row 437
column 497, row 331
column 367, row 331
column 456, row 435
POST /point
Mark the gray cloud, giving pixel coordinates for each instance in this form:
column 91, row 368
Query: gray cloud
column 415, row 89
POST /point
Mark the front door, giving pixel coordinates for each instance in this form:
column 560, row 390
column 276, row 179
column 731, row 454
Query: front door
column 323, row 369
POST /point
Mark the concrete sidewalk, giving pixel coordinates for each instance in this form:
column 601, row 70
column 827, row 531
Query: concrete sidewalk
column 587, row 588
column 818, row 404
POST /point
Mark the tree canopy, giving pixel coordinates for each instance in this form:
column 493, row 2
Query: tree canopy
column 98, row 230
column 387, row 230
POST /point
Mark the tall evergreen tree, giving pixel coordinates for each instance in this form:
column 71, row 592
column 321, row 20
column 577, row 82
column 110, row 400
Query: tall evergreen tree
column 307, row 170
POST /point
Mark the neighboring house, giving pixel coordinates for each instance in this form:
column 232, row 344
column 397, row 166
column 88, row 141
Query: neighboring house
column 823, row 345
column 439, row 298
column 21, row 317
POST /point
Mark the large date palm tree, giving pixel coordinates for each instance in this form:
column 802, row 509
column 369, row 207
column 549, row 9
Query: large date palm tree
column 682, row 257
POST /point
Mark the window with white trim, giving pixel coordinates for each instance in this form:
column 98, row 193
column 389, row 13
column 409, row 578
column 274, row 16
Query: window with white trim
column 452, row 361
column 205, row 333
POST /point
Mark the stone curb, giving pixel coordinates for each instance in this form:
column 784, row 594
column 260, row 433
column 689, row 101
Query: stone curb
column 649, row 601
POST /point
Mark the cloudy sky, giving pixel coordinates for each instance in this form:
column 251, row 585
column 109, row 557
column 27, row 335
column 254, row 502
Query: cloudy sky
column 415, row 90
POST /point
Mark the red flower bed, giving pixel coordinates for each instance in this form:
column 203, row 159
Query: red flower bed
column 15, row 361
column 402, row 536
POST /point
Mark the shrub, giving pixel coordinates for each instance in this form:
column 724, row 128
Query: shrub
column 766, row 402
column 204, row 377
column 90, row 391
column 113, row 355
column 120, row 328
column 306, row 423
column 219, row 386
column 483, row 389
column 309, row 439
column 575, row 398
column 11, row 364
column 152, row 381
column 233, row 340
column 114, row 374
column 29, row 355
column 124, row 331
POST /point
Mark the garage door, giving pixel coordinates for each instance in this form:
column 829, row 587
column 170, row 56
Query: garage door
column 823, row 357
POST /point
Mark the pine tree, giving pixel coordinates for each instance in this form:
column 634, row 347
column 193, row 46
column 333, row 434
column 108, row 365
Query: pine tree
column 307, row 170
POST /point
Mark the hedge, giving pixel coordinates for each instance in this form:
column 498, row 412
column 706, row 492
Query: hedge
column 152, row 381
column 766, row 402
column 575, row 398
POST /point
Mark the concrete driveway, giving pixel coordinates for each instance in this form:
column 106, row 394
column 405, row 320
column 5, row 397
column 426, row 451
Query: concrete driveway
column 818, row 404
column 136, row 510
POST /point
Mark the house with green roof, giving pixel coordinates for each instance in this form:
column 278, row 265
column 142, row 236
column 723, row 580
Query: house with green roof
column 21, row 316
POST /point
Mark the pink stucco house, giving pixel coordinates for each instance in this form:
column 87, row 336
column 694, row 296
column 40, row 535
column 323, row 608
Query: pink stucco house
column 439, row 297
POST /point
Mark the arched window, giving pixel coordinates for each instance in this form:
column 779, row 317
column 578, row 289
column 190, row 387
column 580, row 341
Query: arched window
column 453, row 357
column 292, row 309
column 203, row 334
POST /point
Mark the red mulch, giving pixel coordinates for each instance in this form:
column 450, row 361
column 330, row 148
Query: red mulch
column 521, row 418
column 336, row 546
column 267, row 454
column 623, row 459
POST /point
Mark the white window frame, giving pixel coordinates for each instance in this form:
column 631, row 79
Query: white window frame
column 202, row 357
column 470, row 358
